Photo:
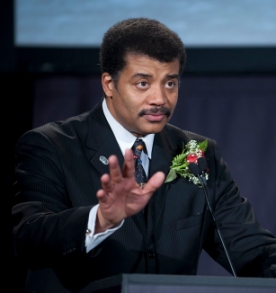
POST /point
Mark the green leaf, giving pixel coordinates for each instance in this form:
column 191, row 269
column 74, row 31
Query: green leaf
column 180, row 167
column 178, row 159
column 171, row 176
column 203, row 145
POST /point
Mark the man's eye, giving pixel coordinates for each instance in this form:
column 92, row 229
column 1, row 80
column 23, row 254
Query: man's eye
column 170, row 84
column 142, row 84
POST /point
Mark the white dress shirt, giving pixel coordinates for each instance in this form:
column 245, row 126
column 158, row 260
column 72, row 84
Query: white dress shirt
column 125, row 140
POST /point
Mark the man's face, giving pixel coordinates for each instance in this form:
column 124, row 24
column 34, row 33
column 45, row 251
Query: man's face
column 145, row 96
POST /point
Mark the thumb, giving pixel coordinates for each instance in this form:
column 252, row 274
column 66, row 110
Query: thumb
column 154, row 182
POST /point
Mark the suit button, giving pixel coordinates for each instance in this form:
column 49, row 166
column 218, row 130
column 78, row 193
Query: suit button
column 151, row 255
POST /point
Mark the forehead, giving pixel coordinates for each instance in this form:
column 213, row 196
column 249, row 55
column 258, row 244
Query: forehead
column 147, row 64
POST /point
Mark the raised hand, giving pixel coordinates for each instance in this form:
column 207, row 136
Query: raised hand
column 120, row 196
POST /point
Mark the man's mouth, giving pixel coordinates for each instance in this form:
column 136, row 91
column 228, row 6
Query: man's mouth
column 154, row 117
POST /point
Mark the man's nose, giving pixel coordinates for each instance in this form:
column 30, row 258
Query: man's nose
column 157, row 96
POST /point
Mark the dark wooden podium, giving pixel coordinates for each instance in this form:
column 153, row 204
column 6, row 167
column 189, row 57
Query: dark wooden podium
column 139, row 283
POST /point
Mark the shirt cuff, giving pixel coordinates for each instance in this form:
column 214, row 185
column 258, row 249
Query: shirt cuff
column 91, row 240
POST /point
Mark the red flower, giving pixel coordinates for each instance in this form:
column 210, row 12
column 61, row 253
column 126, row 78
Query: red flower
column 192, row 158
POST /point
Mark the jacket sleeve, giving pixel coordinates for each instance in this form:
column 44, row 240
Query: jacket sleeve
column 252, row 248
column 46, row 224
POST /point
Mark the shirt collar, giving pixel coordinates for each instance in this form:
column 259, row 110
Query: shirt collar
column 124, row 138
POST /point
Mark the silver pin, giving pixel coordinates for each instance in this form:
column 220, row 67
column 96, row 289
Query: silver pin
column 104, row 160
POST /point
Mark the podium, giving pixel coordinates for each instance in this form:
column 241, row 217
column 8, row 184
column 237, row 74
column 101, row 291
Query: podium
column 143, row 283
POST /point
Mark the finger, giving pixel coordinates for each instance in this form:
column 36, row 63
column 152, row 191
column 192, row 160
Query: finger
column 101, row 195
column 106, row 183
column 128, row 168
column 114, row 169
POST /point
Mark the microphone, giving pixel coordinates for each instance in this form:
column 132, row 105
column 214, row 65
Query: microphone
column 199, row 170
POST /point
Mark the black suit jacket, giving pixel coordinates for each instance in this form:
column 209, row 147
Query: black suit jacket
column 58, row 174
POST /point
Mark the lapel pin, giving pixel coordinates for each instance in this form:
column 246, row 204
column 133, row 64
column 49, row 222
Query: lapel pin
column 104, row 160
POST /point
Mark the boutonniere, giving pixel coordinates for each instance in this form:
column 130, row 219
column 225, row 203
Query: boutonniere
column 180, row 163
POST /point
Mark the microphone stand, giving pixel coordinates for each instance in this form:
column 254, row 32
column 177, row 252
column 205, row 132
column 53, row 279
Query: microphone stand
column 199, row 172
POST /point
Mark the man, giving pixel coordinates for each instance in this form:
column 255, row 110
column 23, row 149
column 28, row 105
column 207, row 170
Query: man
column 80, row 214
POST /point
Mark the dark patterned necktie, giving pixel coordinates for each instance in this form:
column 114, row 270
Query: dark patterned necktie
column 137, row 149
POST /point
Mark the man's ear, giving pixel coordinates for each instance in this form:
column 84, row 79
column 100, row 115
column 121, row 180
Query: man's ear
column 107, row 84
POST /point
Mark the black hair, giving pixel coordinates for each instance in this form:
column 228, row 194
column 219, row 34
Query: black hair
column 139, row 36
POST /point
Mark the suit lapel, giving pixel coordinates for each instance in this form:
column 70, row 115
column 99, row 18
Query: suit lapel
column 162, row 154
column 100, row 157
column 101, row 142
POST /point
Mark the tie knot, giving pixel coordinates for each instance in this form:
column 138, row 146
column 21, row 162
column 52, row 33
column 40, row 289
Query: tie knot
column 138, row 147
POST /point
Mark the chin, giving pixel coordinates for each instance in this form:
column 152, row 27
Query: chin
column 153, row 129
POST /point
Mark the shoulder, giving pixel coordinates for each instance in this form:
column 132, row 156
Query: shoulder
column 53, row 132
column 177, row 134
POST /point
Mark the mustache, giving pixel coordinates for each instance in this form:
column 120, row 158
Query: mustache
column 155, row 111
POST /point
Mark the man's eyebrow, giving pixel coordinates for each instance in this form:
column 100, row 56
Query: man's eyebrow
column 145, row 75
column 172, row 76
column 140, row 74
